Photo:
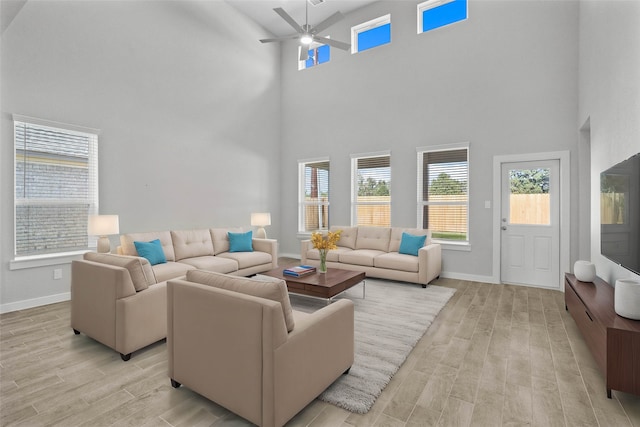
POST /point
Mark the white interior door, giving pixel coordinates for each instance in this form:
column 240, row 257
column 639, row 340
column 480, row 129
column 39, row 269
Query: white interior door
column 530, row 223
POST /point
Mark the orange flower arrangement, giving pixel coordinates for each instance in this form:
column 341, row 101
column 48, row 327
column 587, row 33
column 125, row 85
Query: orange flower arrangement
column 323, row 244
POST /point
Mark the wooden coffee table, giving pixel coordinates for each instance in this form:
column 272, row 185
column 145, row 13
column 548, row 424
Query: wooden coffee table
column 321, row 285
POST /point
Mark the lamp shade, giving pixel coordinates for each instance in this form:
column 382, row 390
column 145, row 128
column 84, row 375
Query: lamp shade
column 103, row 225
column 261, row 219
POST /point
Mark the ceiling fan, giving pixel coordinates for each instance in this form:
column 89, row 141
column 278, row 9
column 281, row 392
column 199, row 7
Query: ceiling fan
column 307, row 33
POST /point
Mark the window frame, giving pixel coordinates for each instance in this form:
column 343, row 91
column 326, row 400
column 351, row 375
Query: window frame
column 433, row 4
column 303, row 204
column 28, row 260
column 366, row 26
column 354, row 186
column 302, row 65
column 421, row 203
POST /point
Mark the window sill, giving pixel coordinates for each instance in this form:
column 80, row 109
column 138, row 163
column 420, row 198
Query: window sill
column 451, row 246
column 35, row 261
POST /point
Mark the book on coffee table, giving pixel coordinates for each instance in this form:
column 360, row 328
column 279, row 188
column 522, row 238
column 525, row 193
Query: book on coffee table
column 299, row 271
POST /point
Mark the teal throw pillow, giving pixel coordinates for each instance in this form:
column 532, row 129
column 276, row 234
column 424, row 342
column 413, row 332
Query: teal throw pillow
column 410, row 244
column 240, row 242
column 152, row 251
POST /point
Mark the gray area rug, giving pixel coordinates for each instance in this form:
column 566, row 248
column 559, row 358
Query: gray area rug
column 388, row 324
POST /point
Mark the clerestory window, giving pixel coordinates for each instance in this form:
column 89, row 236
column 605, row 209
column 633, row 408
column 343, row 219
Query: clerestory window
column 370, row 34
column 438, row 13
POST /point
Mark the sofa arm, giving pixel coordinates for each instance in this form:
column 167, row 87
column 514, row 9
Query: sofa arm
column 429, row 263
column 95, row 288
column 305, row 246
column 317, row 351
column 269, row 246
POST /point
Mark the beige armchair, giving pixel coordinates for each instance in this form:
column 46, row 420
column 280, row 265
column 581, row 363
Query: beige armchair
column 237, row 342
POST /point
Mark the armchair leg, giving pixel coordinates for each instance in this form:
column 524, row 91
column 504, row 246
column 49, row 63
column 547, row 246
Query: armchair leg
column 344, row 373
column 75, row 331
column 174, row 383
column 125, row 357
column 424, row 286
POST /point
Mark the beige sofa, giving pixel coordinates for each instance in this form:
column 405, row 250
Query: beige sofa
column 374, row 250
column 120, row 300
column 237, row 342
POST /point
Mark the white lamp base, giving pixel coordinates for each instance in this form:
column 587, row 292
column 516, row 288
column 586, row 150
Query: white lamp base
column 261, row 233
column 104, row 245
column 627, row 298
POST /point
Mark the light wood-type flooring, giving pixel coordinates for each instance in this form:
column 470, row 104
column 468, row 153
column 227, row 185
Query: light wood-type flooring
column 495, row 355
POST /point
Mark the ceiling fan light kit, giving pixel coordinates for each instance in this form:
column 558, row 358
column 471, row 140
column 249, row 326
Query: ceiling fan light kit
column 307, row 34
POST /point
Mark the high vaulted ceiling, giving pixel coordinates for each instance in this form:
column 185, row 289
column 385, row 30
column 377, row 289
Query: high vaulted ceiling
column 261, row 11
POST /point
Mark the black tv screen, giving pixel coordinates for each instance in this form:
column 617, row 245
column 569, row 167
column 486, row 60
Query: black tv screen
column 620, row 213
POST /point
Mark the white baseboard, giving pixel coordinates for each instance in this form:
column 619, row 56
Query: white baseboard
column 468, row 277
column 36, row 302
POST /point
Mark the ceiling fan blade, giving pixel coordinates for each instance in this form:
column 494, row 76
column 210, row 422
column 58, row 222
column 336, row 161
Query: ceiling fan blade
column 304, row 53
column 331, row 42
column 327, row 22
column 279, row 39
column 284, row 15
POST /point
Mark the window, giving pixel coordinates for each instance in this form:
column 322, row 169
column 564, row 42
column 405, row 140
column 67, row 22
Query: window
column 313, row 196
column 56, row 186
column 318, row 54
column 438, row 13
column 443, row 191
column 371, row 34
column 371, row 191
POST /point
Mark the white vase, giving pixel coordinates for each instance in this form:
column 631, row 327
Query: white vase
column 627, row 298
column 584, row 271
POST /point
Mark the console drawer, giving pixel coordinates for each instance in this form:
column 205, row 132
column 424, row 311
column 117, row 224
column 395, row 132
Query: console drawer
column 593, row 332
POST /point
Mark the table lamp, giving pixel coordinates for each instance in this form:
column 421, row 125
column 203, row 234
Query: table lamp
column 102, row 226
column 261, row 219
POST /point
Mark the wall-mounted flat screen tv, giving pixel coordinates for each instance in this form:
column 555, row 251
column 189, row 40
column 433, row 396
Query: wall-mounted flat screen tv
column 620, row 213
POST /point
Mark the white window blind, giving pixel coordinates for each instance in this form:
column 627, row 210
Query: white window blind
column 313, row 199
column 371, row 193
column 56, row 186
column 443, row 193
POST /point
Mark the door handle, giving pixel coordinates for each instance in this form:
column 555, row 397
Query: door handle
column 504, row 227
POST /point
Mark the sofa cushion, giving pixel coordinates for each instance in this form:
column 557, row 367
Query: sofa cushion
column 212, row 263
column 411, row 244
column 347, row 237
column 272, row 290
column 396, row 236
column 360, row 256
column 128, row 248
column 152, row 251
column 397, row 261
column 139, row 269
column 373, row 238
column 192, row 243
column 333, row 255
column 220, row 239
column 247, row 259
column 171, row 270
column 240, row 242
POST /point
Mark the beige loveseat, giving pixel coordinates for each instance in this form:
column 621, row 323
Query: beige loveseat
column 375, row 250
column 237, row 342
column 120, row 300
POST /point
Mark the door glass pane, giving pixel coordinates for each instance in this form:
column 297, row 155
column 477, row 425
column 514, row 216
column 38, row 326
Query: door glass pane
column 529, row 196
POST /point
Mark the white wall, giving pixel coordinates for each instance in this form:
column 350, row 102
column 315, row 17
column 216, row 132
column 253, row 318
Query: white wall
column 609, row 99
column 505, row 80
column 187, row 100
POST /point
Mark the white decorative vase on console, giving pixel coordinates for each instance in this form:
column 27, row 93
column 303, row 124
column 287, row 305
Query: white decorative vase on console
column 584, row 271
column 627, row 298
